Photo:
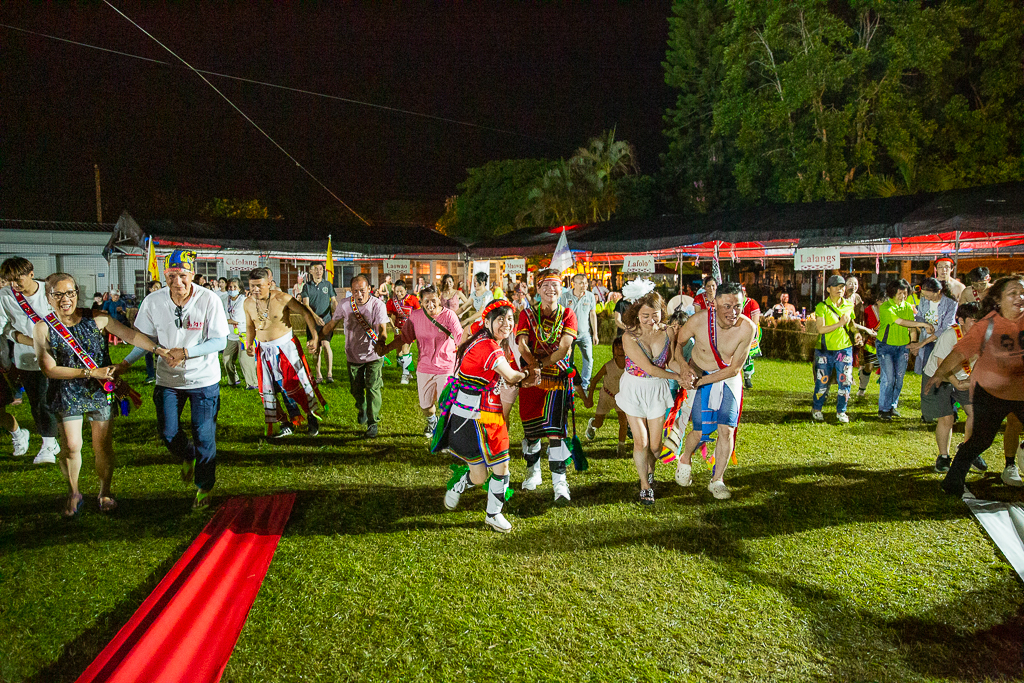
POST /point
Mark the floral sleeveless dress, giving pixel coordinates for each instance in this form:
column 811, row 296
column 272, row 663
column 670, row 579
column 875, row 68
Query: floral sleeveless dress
column 78, row 396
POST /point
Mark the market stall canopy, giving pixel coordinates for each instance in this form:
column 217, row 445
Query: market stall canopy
column 987, row 209
column 282, row 236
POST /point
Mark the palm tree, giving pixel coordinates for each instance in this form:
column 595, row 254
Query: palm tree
column 582, row 188
column 598, row 165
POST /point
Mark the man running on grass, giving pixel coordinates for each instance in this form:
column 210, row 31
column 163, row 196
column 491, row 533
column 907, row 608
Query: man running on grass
column 723, row 336
column 545, row 334
column 365, row 320
column 190, row 321
column 280, row 364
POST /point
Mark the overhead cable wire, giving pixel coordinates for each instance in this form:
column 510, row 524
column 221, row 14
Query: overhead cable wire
column 302, row 91
column 238, row 109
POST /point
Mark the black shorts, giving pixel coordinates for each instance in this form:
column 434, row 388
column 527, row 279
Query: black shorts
column 942, row 401
column 319, row 333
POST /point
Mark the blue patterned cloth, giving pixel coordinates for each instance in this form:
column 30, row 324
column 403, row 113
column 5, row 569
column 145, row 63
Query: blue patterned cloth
column 81, row 395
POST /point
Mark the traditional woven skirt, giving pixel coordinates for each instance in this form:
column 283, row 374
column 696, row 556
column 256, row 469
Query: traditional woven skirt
column 544, row 410
column 471, row 435
column 281, row 367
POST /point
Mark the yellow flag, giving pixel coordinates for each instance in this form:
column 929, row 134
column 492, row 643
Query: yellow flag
column 329, row 262
column 154, row 269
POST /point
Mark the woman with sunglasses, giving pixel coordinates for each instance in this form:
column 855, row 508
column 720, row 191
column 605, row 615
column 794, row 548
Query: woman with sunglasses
column 72, row 354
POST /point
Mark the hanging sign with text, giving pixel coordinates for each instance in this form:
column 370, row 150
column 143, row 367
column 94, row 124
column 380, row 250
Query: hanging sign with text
column 396, row 268
column 242, row 262
column 638, row 264
column 515, row 266
column 826, row 258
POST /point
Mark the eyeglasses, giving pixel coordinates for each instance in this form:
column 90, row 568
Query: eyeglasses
column 179, row 318
column 60, row 296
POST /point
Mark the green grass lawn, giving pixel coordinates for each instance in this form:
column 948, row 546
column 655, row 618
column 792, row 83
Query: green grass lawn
column 837, row 558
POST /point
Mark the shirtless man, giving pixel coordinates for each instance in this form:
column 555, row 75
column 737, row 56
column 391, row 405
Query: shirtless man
column 722, row 336
column 944, row 273
column 280, row 363
column 981, row 280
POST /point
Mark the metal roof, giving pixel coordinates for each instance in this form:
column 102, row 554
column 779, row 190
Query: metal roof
column 56, row 226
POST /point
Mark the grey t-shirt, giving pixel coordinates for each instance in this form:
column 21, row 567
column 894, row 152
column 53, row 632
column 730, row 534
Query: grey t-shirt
column 319, row 296
column 581, row 306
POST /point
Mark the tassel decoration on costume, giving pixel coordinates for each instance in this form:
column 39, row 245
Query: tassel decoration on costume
column 458, row 471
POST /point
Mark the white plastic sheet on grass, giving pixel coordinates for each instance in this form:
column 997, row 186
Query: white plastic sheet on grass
column 1004, row 522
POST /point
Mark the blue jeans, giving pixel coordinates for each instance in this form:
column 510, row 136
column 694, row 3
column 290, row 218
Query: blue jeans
column 202, row 447
column 585, row 344
column 150, row 367
column 824, row 363
column 892, row 361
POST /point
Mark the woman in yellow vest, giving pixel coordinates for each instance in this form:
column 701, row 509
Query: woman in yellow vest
column 834, row 351
column 895, row 320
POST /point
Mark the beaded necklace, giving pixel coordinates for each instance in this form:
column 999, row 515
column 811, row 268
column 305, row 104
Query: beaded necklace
column 548, row 332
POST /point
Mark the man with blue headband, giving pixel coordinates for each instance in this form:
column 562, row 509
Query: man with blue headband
column 189, row 321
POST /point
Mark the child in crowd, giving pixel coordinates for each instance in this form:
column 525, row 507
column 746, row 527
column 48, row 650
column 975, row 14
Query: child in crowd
column 610, row 373
column 675, row 425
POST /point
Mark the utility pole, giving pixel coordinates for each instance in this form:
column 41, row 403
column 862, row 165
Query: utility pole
column 99, row 205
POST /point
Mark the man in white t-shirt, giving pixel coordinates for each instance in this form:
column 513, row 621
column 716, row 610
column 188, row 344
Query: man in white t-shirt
column 941, row 405
column 18, row 327
column 189, row 320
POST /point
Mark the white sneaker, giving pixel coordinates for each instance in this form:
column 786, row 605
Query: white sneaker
column 431, row 425
column 498, row 523
column 405, row 378
column 1011, row 476
column 684, row 474
column 19, row 440
column 719, row 490
column 843, row 417
column 591, row 432
column 861, row 393
column 533, row 478
column 47, row 455
column 817, row 416
column 285, row 431
column 561, row 488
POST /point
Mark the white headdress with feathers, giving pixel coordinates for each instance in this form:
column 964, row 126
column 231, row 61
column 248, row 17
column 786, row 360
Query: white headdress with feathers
column 637, row 289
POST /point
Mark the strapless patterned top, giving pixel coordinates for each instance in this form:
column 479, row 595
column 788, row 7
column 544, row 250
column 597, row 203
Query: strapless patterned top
column 635, row 370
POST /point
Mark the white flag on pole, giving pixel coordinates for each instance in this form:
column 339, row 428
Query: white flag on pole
column 562, row 260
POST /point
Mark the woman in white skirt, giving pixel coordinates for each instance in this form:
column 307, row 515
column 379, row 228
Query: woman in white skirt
column 644, row 392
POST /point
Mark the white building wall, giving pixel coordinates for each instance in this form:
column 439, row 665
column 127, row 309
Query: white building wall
column 90, row 272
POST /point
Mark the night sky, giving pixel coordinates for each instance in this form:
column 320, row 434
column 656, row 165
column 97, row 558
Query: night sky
column 555, row 73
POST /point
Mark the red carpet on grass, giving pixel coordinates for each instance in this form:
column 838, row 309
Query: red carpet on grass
column 188, row 626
